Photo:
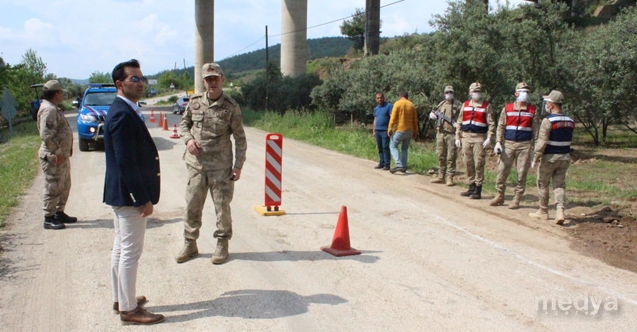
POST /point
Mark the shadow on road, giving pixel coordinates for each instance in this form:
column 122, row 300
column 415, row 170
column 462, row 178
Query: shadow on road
column 108, row 223
column 295, row 256
column 10, row 269
column 163, row 144
column 249, row 304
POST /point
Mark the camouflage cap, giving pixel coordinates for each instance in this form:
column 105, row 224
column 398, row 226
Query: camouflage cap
column 211, row 69
column 475, row 87
column 449, row 88
column 52, row 85
column 522, row 86
column 555, row 97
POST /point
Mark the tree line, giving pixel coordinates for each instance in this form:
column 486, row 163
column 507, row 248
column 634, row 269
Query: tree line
column 596, row 68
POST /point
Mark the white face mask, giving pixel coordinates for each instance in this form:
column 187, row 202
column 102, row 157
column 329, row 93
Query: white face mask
column 449, row 96
column 523, row 96
column 476, row 95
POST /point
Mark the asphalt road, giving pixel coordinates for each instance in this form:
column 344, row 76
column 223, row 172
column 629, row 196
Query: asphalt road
column 431, row 260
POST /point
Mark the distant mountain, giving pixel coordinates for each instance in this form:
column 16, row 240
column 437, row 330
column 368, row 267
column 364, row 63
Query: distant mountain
column 74, row 81
column 317, row 48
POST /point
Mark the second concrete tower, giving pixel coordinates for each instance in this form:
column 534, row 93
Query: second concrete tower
column 294, row 38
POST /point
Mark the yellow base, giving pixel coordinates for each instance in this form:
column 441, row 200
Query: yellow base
column 263, row 210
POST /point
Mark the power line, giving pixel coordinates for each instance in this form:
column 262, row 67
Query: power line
column 308, row 28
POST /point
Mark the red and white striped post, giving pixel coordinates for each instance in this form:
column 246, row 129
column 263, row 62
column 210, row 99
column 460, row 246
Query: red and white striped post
column 273, row 172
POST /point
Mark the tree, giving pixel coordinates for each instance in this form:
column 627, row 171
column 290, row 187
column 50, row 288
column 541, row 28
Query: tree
column 100, row 77
column 354, row 29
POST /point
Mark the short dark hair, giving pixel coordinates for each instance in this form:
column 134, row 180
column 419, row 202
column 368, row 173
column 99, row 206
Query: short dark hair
column 118, row 72
column 404, row 94
column 49, row 94
column 380, row 93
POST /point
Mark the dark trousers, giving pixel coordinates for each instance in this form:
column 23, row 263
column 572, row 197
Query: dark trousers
column 382, row 142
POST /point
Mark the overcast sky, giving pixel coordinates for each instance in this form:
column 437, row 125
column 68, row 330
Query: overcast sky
column 78, row 37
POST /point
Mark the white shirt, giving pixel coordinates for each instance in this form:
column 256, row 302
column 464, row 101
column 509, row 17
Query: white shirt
column 133, row 105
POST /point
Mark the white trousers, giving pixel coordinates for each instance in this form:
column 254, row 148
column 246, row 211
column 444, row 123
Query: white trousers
column 130, row 228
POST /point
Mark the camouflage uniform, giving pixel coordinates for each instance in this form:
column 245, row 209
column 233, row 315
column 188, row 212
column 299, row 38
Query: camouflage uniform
column 552, row 153
column 211, row 123
column 472, row 150
column 57, row 140
column 514, row 151
column 445, row 147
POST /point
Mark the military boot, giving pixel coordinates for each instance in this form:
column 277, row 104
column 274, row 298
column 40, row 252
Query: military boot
column 542, row 214
column 440, row 179
column 498, row 199
column 472, row 189
column 64, row 218
column 51, row 223
column 450, row 182
column 559, row 216
column 477, row 194
column 515, row 204
column 221, row 254
column 188, row 251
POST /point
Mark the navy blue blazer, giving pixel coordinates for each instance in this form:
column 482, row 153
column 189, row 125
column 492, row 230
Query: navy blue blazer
column 132, row 162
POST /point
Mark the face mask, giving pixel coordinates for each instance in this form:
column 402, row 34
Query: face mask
column 523, row 96
column 476, row 95
column 448, row 96
column 546, row 107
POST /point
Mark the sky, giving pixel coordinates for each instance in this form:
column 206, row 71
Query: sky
column 78, row 37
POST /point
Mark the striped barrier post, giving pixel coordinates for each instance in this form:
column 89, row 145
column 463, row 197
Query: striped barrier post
column 273, row 172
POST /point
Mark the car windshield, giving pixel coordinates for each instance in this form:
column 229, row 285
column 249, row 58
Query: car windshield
column 186, row 100
column 99, row 98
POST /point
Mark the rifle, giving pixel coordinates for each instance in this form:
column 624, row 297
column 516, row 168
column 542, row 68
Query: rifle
column 442, row 117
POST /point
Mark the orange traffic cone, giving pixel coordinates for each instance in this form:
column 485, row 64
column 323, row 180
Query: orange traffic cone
column 152, row 115
column 161, row 119
column 165, row 124
column 340, row 243
column 174, row 135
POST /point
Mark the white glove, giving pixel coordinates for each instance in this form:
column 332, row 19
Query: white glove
column 455, row 125
column 433, row 116
column 533, row 164
column 458, row 144
column 497, row 148
column 486, row 143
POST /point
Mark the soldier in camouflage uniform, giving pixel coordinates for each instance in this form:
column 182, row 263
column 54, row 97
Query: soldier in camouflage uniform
column 517, row 130
column 55, row 151
column 476, row 128
column 552, row 153
column 446, row 114
column 206, row 126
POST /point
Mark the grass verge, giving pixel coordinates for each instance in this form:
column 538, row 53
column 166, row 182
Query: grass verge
column 593, row 180
column 18, row 164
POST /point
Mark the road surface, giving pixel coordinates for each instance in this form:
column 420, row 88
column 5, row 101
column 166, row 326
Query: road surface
column 431, row 261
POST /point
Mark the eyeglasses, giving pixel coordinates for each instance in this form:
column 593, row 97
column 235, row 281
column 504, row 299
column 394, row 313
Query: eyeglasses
column 137, row 79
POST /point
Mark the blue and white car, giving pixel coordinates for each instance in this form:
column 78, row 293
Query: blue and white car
column 95, row 104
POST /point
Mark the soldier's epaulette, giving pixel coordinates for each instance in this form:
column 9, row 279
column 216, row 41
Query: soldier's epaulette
column 232, row 101
column 196, row 95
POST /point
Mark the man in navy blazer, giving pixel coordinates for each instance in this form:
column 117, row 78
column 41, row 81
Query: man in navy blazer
column 131, row 188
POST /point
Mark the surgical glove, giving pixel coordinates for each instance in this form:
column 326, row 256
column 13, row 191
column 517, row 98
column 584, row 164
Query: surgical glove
column 458, row 144
column 455, row 125
column 486, row 143
column 497, row 149
column 533, row 164
column 433, row 116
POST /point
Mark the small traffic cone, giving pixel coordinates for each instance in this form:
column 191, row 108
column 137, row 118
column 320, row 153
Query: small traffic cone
column 175, row 134
column 340, row 243
column 165, row 124
column 161, row 119
column 152, row 115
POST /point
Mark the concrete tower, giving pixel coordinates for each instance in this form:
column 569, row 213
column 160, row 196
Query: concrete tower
column 372, row 27
column 204, row 38
column 294, row 40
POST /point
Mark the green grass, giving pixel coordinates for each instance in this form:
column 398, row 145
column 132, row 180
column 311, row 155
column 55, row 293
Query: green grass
column 18, row 164
column 594, row 183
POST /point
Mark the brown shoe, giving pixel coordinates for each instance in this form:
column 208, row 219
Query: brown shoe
column 438, row 180
column 140, row 316
column 188, row 251
column 140, row 300
column 221, row 254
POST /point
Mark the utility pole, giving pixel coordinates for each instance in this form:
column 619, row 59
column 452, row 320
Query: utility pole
column 372, row 27
column 267, row 68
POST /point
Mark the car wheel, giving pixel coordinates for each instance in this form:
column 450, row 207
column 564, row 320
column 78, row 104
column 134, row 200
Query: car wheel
column 83, row 144
column 175, row 110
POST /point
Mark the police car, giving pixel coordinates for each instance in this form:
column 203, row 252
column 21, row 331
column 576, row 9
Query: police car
column 95, row 104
